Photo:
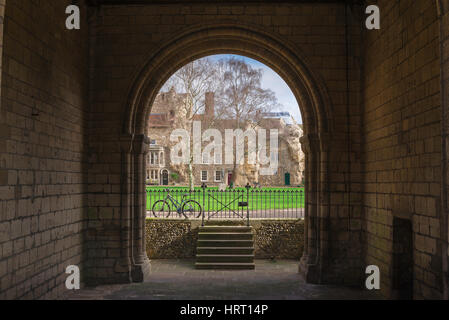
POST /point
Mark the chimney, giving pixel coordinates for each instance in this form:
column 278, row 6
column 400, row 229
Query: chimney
column 209, row 105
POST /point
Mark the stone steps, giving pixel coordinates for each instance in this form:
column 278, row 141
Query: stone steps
column 227, row 266
column 225, row 247
column 224, row 250
column 225, row 243
column 225, row 236
column 217, row 228
column 226, row 258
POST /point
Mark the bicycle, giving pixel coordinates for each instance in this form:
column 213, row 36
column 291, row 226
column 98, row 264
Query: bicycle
column 190, row 207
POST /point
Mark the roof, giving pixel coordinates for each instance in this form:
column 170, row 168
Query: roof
column 159, row 121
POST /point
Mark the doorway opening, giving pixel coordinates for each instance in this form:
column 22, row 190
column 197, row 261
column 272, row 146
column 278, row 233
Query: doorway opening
column 164, row 178
column 232, row 129
column 402, row 259
column 287, row 179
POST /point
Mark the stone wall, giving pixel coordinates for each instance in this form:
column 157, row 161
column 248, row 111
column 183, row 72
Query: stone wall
column 171, row 239
column 402, row 141
column 177, row 239
column 43, row 117
column 279, row 239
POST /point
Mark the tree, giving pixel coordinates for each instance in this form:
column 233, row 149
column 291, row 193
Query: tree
column 241, row 98
column 195, row 79
column 238, row 96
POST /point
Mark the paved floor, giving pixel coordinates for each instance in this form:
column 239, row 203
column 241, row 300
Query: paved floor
column 178, row 280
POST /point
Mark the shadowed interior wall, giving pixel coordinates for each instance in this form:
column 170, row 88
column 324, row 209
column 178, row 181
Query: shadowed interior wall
column 42, row 149
column 402, row 140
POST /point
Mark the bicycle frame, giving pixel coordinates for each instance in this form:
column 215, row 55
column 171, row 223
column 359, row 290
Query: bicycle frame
column 178, row 205
column 174, row 202
column 185, row 205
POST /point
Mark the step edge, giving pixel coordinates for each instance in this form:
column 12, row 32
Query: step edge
column 240, row 248
column 226, row 255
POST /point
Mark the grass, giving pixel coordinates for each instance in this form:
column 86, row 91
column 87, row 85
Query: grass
column 259, row 199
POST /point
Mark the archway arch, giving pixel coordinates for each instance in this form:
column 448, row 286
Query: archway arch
column 283, row 58
column 227, row 37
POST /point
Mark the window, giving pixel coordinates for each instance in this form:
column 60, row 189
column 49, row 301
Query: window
column 203, row 176
column 162, row 159
column 205, row 158
column 154, row 174
column 218, row 176
column 152, row 142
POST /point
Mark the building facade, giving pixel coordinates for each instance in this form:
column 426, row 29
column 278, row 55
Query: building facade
column 169, row 113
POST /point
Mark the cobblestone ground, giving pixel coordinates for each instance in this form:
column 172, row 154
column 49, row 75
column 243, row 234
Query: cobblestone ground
column 178, row 279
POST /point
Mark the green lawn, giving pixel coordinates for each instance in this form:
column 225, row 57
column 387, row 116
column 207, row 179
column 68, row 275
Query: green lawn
column 259, row 199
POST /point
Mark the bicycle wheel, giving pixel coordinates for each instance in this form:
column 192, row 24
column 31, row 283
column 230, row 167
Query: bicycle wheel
column 161, row 208
column 192, row 209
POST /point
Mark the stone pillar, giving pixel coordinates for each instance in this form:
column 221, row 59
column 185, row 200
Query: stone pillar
column 324, row 202
column 141, row 263
column 309, row 263
column 133, row 259
column 123, row 265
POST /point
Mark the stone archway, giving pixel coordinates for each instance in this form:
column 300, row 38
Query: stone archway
column 283, row 58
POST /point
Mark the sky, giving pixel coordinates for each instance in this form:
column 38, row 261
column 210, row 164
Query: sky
column 271, row 80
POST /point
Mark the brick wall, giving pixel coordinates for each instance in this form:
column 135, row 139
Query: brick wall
column 42, row 148
column 402, row 140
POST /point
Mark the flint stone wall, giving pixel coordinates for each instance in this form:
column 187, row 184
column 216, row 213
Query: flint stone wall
column 176, row 239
